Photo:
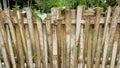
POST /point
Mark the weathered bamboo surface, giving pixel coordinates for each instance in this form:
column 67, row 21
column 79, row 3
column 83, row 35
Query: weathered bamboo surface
column 65, row 39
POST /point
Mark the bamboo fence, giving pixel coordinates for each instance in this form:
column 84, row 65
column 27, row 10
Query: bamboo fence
column 65, row 39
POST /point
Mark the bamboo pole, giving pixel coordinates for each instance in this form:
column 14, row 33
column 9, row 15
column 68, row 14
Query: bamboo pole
column 3, row 38
column 29, row 49
column 55, row 48
column 19, row 48
column 99, row 48
column 49, row 41
column 68, row 36
column 115, row 46
column 45, row 45
column 3, row 51
column 105, row 34
column 98, row 14
column 37, row 50
column 58, row 30
column 63, row 44
column 12, row 57
column 113, row 29
column 105, row 48
column 88, row 41
column 78, row 29
column 56, row 37
column 72, row 58
column 73, row 33
column 81, row 57
column 42, row 45
column 31, row 28
column 8, row 19
column 20, row 22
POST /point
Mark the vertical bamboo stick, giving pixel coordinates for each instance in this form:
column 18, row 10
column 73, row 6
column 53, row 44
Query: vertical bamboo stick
column 38, row 50
column 55, row 47
column 105, row 48
column 43, row 47
column 20, row 22
column 30, row 23
column 81, row 57
column 3, row 38
column 49, row 40
column 3, row 51
column 19, row 48
column 58, row 30
column 72, row 46
column 106, row 24
column 114, row 52
column 98, row 14
column 99, row 49
column 105, row 33
column 68, row 30
column 88, row 41
column 56, row 39
column 113, row 29
column 8, row 19
column 10, row 47
column 29, row 49
column 63, row 44
column 78, row 29
column 31, row 29
column 73, row 31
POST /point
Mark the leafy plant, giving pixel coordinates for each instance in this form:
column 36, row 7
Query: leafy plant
column 17, row 6
column 45, row 5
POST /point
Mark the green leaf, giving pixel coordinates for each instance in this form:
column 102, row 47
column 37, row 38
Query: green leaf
column 98, row 7
column 17, row 6
column 83, row 6
column 62, row 7
column 42, row 16
column 34, row 14
column 23, row 10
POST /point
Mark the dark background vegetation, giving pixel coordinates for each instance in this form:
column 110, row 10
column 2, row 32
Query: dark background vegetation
column 46, row 5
